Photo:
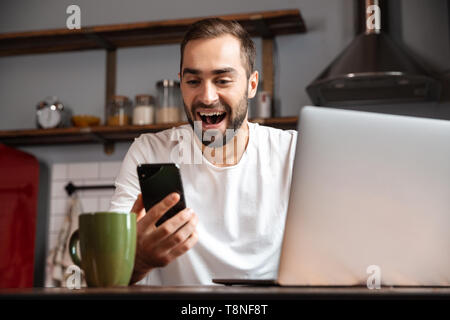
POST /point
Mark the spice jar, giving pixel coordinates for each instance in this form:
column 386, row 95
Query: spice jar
column 144, row 110
column 169, row 101
column 119, row 111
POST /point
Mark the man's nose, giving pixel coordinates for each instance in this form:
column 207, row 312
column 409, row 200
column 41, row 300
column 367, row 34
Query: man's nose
column 208, row 95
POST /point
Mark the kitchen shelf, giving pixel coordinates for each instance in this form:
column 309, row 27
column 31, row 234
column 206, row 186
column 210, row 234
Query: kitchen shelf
column 259, row 24
column 266, row 25
column 106, row 134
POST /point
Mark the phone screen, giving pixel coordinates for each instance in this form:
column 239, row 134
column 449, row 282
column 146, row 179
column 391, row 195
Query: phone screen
column 157, row 180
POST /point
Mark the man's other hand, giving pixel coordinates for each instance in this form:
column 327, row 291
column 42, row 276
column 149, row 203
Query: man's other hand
column 158, row 246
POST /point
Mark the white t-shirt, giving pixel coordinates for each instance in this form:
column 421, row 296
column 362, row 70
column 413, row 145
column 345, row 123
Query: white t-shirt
column 241, row 209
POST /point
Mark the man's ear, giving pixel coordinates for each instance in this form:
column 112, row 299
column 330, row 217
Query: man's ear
column 253, row 84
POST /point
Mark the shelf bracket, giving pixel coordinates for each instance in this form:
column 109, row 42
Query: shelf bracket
column 262, row 28
column 267, row 55
column 111, row 63
column 267, row 65
column 108, row 145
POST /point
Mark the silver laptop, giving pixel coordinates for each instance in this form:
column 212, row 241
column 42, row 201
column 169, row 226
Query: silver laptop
column 370, row 194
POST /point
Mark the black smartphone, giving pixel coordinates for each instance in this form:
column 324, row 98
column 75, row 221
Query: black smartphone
column 157, row 180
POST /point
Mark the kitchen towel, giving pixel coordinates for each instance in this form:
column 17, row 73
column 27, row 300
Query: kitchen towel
column 59, row 259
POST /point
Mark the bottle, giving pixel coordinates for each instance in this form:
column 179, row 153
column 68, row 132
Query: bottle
column 169, row 101
column 263, row 105
column 119, row 111
column 144, row 111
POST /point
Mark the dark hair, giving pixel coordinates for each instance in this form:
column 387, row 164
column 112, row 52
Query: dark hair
column 215, row 27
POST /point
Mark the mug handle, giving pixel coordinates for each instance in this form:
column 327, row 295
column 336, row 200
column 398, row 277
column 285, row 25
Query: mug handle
column 74, row 240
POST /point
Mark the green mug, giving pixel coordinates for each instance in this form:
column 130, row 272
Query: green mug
column 108, row 246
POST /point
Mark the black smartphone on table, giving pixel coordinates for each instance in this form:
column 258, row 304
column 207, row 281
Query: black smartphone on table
column 158, row 180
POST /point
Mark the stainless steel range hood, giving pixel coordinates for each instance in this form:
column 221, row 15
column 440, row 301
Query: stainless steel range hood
column 373, row 70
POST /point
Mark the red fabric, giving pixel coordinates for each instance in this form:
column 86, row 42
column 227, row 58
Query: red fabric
column 19, row 179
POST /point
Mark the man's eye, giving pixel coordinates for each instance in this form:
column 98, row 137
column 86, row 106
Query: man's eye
column 192, row 82
column 223, row 81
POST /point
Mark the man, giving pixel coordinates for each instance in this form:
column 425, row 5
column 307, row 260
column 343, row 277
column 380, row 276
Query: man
column 237, row 194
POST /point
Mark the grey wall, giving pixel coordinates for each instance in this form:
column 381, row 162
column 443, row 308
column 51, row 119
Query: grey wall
column 78, row 78
column 426, row 31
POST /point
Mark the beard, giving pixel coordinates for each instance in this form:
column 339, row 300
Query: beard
column 235, row 120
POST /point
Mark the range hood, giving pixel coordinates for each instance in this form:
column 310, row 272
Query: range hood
column 373, row 70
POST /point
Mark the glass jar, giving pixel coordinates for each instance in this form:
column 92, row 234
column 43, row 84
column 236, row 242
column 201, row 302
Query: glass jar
column 119, row 111
column 169, row 101
column 144, row 110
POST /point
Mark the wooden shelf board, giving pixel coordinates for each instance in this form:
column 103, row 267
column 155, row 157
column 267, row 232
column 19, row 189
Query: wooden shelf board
column 103, row 134
column 263, row 24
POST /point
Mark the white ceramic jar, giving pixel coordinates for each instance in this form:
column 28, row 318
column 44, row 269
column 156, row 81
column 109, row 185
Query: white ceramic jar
column 144, row 111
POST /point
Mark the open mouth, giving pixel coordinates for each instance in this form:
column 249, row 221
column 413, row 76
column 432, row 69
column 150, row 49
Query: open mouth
column 212, row 118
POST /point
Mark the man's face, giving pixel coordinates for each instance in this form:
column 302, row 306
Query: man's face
column 214, row 84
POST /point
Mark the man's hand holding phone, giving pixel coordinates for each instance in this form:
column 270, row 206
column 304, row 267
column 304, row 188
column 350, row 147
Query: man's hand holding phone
column 158, row 246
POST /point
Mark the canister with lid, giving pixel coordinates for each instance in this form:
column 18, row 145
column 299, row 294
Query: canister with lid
column 119, row 111
column 169, row 101
column 144, row 110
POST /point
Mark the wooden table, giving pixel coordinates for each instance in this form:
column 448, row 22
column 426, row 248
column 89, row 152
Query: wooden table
column 227, row 293
column 220, row 302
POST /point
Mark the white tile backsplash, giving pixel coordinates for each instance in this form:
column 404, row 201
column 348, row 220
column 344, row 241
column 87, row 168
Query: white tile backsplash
column 98, row 181
column 52, row 239
column 109, row 169
column 56, row 223
column 58, row 207
column 59, row 171
column 89, row 204
column 97, row 192
column 80, row 174
column 57, row 189
column 83, row 170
